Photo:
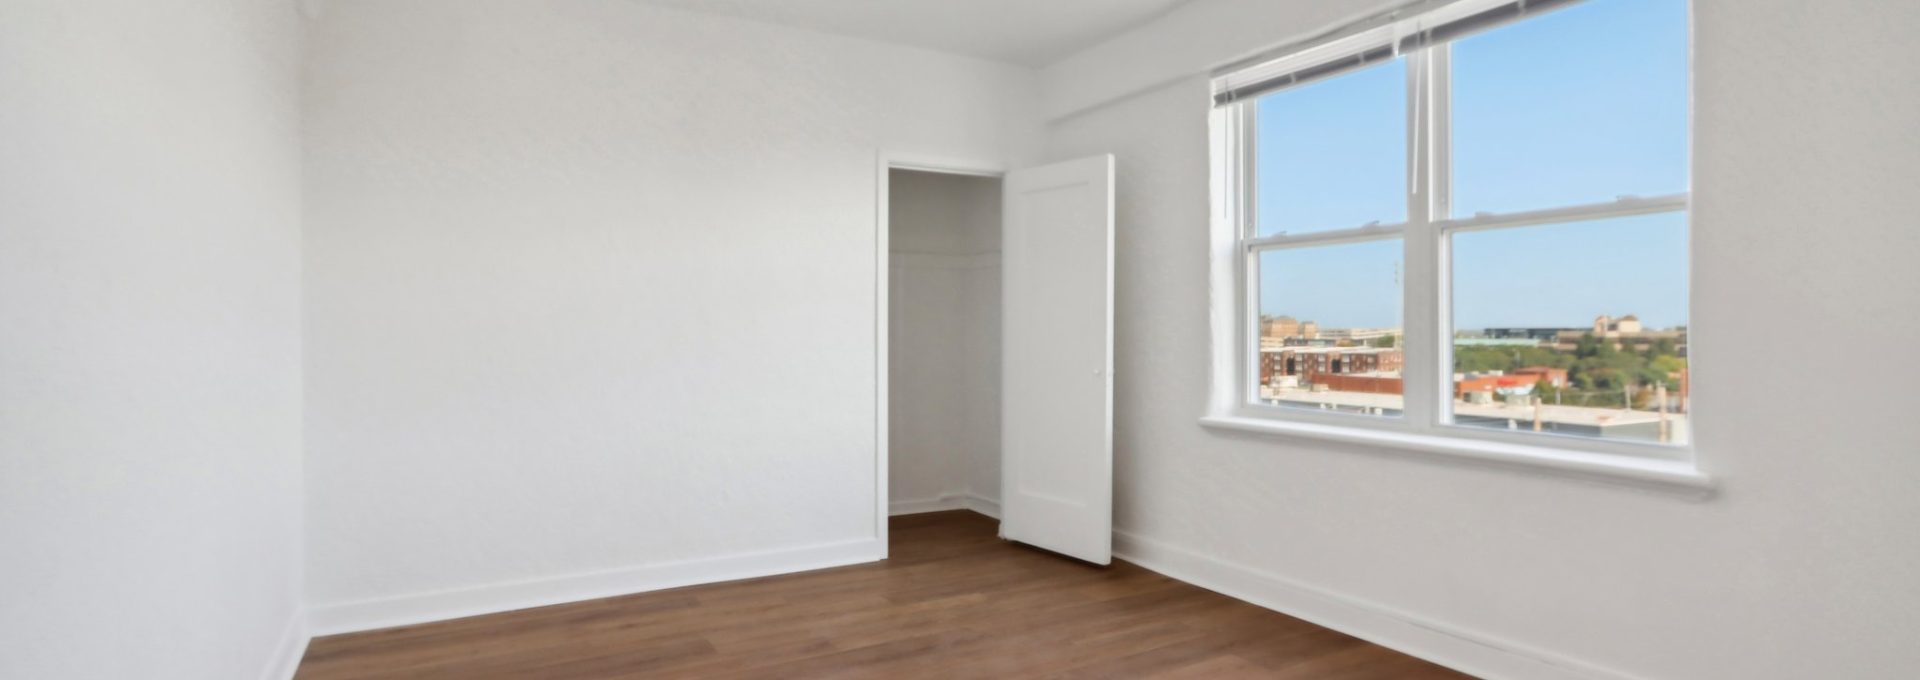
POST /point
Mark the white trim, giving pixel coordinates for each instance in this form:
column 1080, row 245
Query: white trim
column 882, row 329
column 945, row 165
column 886, row 161
column 387, row 612
column 1465, row 650
column 1425, row 376
column 941, row 503
column 953, row 501
column 982, row 504
column 1677, row 475
column 1228, row 326
column 289, row 649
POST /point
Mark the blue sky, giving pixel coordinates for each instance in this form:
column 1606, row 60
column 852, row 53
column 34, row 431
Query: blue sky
column 1577, row 106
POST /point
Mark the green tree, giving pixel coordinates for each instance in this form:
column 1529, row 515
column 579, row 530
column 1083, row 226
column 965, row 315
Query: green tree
column 1545, row 390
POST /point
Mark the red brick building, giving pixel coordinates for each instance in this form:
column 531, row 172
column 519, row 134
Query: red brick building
column 1312, row 364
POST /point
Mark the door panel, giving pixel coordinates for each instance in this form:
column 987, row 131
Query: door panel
column 1057, row 377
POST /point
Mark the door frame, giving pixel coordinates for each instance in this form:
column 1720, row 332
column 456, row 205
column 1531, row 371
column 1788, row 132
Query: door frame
column 885, row 162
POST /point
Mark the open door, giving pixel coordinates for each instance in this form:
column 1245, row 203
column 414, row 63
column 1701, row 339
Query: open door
column 1057, row 359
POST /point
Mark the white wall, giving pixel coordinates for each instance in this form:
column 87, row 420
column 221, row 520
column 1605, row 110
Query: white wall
column 944, row 350
column 149, row 339
column 1803, row 565
column 591, row 294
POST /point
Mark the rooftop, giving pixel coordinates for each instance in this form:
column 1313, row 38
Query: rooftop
column 1572, row 415
column 1306, row 349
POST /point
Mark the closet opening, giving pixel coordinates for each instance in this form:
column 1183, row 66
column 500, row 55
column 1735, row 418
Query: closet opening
column 941, row 371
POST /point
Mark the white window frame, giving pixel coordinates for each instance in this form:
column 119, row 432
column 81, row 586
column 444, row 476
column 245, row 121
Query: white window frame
column 1424, row 423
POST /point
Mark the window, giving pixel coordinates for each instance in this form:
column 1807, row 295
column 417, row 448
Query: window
column 1471, row 223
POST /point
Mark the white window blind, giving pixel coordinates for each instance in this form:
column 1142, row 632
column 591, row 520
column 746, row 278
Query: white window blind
column 1369, row 41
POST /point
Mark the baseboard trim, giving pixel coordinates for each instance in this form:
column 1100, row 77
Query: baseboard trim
column 405, row 610
column 983, row 505
column 952, row 501
column 289, row 649
column 1466, row 651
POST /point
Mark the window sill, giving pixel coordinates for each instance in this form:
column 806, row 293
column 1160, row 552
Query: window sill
column 1670, row 475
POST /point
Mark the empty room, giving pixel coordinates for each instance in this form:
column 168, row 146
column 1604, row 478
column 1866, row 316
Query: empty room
column 1298, row 339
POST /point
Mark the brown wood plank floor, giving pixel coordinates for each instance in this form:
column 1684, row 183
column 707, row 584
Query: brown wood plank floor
column 952, row 602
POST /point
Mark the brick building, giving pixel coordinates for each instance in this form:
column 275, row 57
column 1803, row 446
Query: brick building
column 1309, row 364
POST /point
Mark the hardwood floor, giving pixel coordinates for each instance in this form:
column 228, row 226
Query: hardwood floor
column 953, row 602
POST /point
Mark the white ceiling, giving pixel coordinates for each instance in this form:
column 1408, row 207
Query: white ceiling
column 1027, row 32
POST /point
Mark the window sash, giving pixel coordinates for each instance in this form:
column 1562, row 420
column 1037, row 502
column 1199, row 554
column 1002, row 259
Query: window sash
column 1426, row 235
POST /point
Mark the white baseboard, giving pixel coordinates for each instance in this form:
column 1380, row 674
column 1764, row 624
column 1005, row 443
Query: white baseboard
column 1466, row 651
column 405, row 610
column 953, row 501
column 289, row 649
column 983, row 505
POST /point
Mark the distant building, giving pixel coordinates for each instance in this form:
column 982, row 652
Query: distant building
column 1606, row 327
column 1364, row 383
column 1510, row 383
column 1556, row 377
column 1306, row 365
column 1288, row 327
column 1536, row 334
column 1497, row 342
column 1625, row 332
column 1359, row 335
column 1495, row 383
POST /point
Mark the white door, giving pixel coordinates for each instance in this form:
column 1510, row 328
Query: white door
column 1057, row 359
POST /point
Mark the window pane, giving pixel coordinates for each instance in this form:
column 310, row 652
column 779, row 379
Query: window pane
column 1330, row 328
column 1332, row 154
column 1580, row 105
column 1588, row 318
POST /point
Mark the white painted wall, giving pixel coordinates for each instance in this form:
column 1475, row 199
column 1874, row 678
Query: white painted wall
column 591, row 293
column 150, row 420
column 944, row 349
column 1802, row 566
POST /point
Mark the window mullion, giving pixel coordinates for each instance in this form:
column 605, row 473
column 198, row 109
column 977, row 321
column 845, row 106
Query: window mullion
column 1440, row 202
column 1425, row 373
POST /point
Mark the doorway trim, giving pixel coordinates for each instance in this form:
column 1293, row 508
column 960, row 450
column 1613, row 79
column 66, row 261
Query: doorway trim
column 885, row 162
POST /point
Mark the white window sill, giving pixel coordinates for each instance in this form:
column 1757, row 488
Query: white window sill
column 1664, row 474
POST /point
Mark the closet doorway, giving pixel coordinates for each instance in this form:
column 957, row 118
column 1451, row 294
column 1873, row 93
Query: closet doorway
column 995, row 348
column 943, row 340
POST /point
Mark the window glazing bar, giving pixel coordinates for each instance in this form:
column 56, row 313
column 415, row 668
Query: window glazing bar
column 1625, row 206
column 1317, row 238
